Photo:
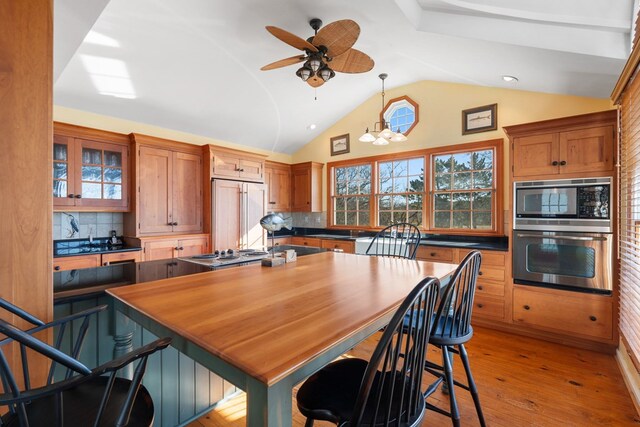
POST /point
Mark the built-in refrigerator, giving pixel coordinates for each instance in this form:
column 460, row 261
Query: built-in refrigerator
column 236, row 210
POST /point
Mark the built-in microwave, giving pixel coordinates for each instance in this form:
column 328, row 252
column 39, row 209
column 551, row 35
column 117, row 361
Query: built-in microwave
column 581, row 205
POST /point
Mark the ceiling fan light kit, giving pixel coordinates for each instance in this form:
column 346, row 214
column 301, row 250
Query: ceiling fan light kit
column 384, row 133
column 326, row 52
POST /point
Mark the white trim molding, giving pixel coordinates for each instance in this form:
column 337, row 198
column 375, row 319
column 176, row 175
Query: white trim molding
column 630, row 374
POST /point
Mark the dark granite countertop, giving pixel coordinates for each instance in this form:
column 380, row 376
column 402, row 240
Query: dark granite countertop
column 100, row 245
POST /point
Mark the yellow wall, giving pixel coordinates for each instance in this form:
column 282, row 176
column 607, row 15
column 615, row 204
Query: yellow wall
column 113, row 124
column 440, row 121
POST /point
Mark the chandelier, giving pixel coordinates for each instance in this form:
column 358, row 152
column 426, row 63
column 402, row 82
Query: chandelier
column 384, row 133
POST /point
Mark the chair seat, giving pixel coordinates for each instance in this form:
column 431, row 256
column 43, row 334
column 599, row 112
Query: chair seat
column 444, row 333
column 81, row 404
column 330, row 394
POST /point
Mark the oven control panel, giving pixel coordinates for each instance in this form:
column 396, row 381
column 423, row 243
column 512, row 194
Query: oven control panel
column 593, row 202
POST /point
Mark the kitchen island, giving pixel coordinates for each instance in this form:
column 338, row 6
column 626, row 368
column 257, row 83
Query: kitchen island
column 267, row 329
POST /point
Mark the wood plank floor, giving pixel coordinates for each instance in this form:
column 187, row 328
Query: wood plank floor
column 522, row 382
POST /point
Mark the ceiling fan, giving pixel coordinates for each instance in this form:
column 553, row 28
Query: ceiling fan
column 326, row 52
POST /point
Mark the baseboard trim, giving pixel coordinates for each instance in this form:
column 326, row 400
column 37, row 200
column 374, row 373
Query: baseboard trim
column 630, row 374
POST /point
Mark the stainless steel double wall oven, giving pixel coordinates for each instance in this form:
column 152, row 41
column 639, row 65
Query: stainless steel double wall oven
column 562, row 234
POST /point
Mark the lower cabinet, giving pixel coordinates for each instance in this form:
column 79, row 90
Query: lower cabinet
column 561, row 311
column 164, row 247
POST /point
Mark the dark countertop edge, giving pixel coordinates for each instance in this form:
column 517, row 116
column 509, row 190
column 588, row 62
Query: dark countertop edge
column 107, row 251
column 488, row 246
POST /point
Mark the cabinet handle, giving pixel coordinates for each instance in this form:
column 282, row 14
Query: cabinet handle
column 479, row 273
column 175, row 223
column 105, row 263
column 304, row 243
column 433, row 254
column 480, row 305
column 71, row 196
column 78, row 196
column 562, row 163
column 480, row 288
column 526, row 307
column 272, row 203
column 56, row 268
column 307, row 202
column 177, row 248
column 593, row 318
column 169, row 223
column 554, row 163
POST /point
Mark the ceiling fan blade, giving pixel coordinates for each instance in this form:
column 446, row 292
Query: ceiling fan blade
column 284, row 62
column 337, row 37
column 291, row 39
column 352, row 61
column 315, row 81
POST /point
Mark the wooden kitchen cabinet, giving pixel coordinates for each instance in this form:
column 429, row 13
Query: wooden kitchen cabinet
column 576, row 146
column 168, row 188
column 590, row 316
column 489, row 301
column 278, row 182
column 306, row 187
column 90, row 169
column 155, row 248
column 76, row 262
column 235, row 164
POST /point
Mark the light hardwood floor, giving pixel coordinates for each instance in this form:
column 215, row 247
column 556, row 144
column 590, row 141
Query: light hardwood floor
column 522, row 382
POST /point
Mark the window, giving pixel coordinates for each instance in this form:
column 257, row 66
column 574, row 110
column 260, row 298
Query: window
column 400, row 191
column 352, row 195
column 464, row 190
column 401, row 114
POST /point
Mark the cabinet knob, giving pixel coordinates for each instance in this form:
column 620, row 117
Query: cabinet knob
column 554, row 163
column 71, row 196
column 169, row 223
column 479, row 273
column 480, row 305
column 304, row 243
column 526, row 307
column 307, row 202
column 56, row 268
column 432, row 254
column 562, row 163
column 593, row 318
column 175, row 223
column 78, row 196
column 105, row 263
column 480, row 288
column 177, row 248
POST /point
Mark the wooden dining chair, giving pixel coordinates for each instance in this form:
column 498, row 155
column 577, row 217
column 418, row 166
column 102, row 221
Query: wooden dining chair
column 450, row 331
column 386, row 391
column 398, row 240
column 80, row 396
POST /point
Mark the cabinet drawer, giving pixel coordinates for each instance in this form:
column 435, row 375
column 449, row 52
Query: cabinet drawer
column 562, row 311
column 484, row 287
column 281, row 241
column 491, row 273
column 345, row 245
column 484, row 306
column 432, row 253
column 76, row 262
column 306, row 241
column 121, row 257
column 494, row 258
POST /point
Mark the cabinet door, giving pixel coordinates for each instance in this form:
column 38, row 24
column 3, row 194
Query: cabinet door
column 255, row 200
column 155, row 192
column 225, row 166
column 587, row 150
column 226, row 214
column 534, row 155
column 301, row 190
column 160, row 249
column 279, row 191
column 102, row 178
column 63, row 171
column 193, row 246
column 252, row 170
column 187, row 193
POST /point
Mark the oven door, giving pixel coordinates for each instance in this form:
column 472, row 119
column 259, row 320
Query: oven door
column 575, row 261
column 546, row 202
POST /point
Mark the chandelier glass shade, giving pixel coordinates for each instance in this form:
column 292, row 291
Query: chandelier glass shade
column 316, row 66
column 384, row 133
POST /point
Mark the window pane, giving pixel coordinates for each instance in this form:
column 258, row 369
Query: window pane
column 443, row 164
column 384, row 203
column 461, row 219
column 483, row 179
column 386, row 185
column 363, row 203
column 385, row 218
column 483, row 159
column 384, row 170
column 112, row 159
column 352, row 217
column 60, row 170
column 416, row 166
column 462, row 162
column 415, row 218
column 112, row 175
column 442, row 202
column 352, row 187
column 443, row 181
column 482, row 220
column 415, row 202
column 482, row 201
column 92, row 173
column 113, row 191
column 400, row 185
column 462, row 181
column 91, row 156
column 340, row 204
column 461, row 201
column 363, row 218
column 91, row 191
column 442, row 220
column 59, row 188
column 59, row 152
column 341, row 188
column 400, row 217
column 416, row 184
column 340, row 174
column 340, row 218
column 400, row 168
column 399, row 202
column 351, row 203
column 365, row 187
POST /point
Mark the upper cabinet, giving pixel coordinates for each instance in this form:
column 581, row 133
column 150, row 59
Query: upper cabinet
column 233, row 164
column 90, row 169
column 278, row 181
column 167, row 179
column 306, row 187
column 570, row 147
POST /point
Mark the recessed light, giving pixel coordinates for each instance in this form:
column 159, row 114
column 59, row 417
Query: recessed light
column 311, row 127
column 509, row 79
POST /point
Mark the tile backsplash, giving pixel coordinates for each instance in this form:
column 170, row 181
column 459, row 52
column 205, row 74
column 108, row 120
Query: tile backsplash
column 98, row 224
column 309, row 219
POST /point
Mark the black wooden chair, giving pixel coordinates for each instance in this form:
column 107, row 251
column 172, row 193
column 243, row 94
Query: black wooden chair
column 450, row 331
column 398, row 240
column 83, row 397
column 386, row 391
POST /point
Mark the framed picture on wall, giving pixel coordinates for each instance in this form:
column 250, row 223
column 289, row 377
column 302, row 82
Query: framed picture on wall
column 340, row 144
column 480, row 119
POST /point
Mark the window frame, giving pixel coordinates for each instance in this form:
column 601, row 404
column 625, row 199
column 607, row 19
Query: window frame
column 408, row 100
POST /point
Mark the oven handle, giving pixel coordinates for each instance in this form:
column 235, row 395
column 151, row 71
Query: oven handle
column 582, row 238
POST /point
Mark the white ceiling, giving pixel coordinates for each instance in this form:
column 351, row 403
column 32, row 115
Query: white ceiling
column 194, row 65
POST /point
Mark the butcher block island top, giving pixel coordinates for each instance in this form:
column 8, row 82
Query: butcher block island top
column 278, row 323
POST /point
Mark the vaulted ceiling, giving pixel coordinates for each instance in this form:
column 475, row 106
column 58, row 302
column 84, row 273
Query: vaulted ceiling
column 194, row 65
